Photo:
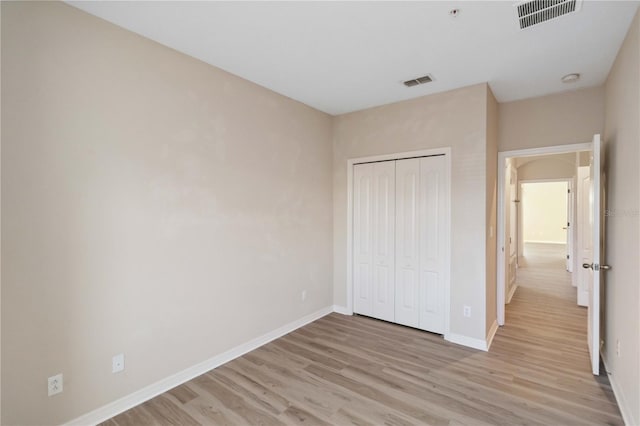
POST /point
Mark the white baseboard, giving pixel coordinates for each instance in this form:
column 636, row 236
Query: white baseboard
column 116, row 407
column 342, row 310
column 492, row 333
column 627, row 415
column 469, row 342
column 512, row 292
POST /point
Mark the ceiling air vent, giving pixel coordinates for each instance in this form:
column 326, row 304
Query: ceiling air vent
column 535, row 12
column 420, row 80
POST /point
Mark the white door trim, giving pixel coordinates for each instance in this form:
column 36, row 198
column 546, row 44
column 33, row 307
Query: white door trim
column 502, row 156
column 446, row 151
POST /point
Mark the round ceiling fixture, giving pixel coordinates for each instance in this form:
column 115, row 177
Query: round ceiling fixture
column 571, row 78
column 454, row 13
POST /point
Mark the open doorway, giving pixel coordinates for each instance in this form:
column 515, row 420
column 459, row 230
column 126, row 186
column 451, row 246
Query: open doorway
column 539, row 205
column 542, row 194
column 546, row 212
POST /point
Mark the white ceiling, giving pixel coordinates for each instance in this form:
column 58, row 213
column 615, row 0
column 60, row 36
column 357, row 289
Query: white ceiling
column 346, row 56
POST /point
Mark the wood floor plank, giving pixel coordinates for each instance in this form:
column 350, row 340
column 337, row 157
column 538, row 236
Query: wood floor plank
column 164, row 411
column 353, row 370
column 297, row 415
column 133, row 417
column 243, row 408
column 183, row 393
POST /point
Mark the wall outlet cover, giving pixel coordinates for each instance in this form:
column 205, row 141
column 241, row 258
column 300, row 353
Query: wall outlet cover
column 117, row 364
column 467, row 311
column 54, row 384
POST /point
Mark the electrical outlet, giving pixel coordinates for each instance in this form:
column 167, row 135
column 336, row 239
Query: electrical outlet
column 466, row 311
column 54, row 384
column 303, row 296
column 117, row 363
column 618, row 347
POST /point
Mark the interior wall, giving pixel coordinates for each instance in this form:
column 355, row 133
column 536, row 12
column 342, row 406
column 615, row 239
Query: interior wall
column 622, row 282
column 153, row 205
column 558, row 119
column 491, row 211
column 455, row 119
column 0, row 217
column 544, row 212
column 558, row 166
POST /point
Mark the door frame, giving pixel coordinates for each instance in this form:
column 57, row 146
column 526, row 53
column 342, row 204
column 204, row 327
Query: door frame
column 446, row 151
column 502, row 157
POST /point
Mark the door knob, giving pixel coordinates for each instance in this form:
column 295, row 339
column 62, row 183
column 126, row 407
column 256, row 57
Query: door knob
column 597, row 268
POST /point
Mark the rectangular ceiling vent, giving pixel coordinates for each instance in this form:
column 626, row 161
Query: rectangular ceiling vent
column 420, row 80
column 535, row 12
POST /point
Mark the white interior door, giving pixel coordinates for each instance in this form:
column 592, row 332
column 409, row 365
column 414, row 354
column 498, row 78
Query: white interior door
column 432, row 250
column 374, row 222
column 407, row 299
column 384, row 200
column 584, row 229
column 401, row 240
column 594, row 266
column 363, row 239
column 513, row 228
column 570, row 226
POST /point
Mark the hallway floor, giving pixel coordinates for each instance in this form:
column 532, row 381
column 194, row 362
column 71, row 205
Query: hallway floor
column 545, row 324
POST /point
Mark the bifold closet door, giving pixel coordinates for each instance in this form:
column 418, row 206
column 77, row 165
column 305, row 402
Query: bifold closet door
column 420, row 243
column 373, row 233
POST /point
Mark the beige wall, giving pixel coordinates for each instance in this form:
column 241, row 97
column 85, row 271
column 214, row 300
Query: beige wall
column 171, row 211
column 558, row 166
column 622, row 154
column 455, row 119
column 152, row 205
column 491, row 212
column 559, row 119
column 0, row 217
column 544, row 212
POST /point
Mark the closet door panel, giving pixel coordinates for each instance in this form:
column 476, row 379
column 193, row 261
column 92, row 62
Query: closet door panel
column 363, row 239
column 407, row 310
column 432, row 240
column 384, row 240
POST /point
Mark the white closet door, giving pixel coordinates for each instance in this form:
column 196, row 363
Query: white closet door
column 384, row 202
column 407, row 243
column 374, row 230
column 432, row 213
column 363, row 239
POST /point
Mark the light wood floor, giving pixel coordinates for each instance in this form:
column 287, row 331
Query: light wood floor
column 344, row 370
